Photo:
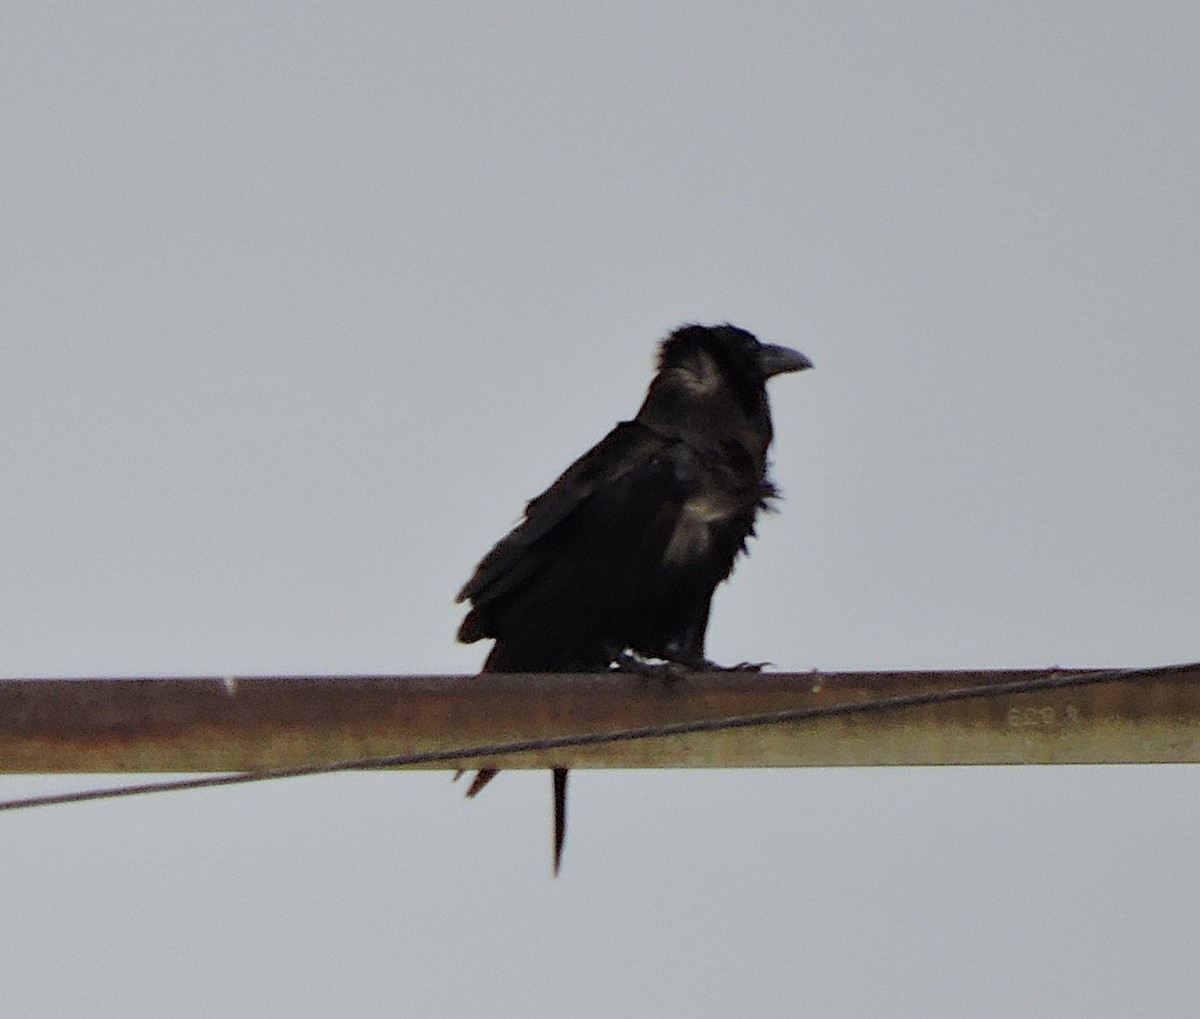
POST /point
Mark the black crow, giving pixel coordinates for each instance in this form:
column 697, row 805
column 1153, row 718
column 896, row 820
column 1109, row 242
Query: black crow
column 616, row 562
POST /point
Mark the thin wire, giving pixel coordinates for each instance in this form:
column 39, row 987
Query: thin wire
column 459, row 754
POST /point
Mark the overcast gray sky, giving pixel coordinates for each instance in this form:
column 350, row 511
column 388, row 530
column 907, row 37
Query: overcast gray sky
column 301, row 302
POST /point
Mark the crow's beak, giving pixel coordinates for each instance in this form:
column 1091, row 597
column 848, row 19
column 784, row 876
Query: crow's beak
column 775, row 360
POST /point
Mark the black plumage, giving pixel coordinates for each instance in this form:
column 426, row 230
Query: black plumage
column 623, row 552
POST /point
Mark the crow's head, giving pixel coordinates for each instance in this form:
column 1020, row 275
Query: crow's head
column 714, row 378
column 726, row 354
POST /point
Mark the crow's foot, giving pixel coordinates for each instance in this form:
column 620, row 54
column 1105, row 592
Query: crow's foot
column 666, row 670
column 743, row 667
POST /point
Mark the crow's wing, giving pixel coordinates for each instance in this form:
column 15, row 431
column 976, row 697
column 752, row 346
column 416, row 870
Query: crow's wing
column 630, row 484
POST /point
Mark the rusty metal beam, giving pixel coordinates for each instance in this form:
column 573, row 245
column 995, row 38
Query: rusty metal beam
column 262, row 723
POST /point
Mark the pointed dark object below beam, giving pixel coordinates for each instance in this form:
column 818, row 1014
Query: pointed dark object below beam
column 483, row 778
column 560, row 815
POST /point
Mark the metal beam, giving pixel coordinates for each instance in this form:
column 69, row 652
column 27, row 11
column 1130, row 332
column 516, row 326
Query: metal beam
column 262, row 723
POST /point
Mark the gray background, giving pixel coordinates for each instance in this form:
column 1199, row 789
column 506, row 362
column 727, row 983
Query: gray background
column 301, row 302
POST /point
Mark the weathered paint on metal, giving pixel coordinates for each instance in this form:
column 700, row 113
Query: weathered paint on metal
column 253, row 724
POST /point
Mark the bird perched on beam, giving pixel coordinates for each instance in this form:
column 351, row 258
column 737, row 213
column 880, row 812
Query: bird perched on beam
column 615, row 564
